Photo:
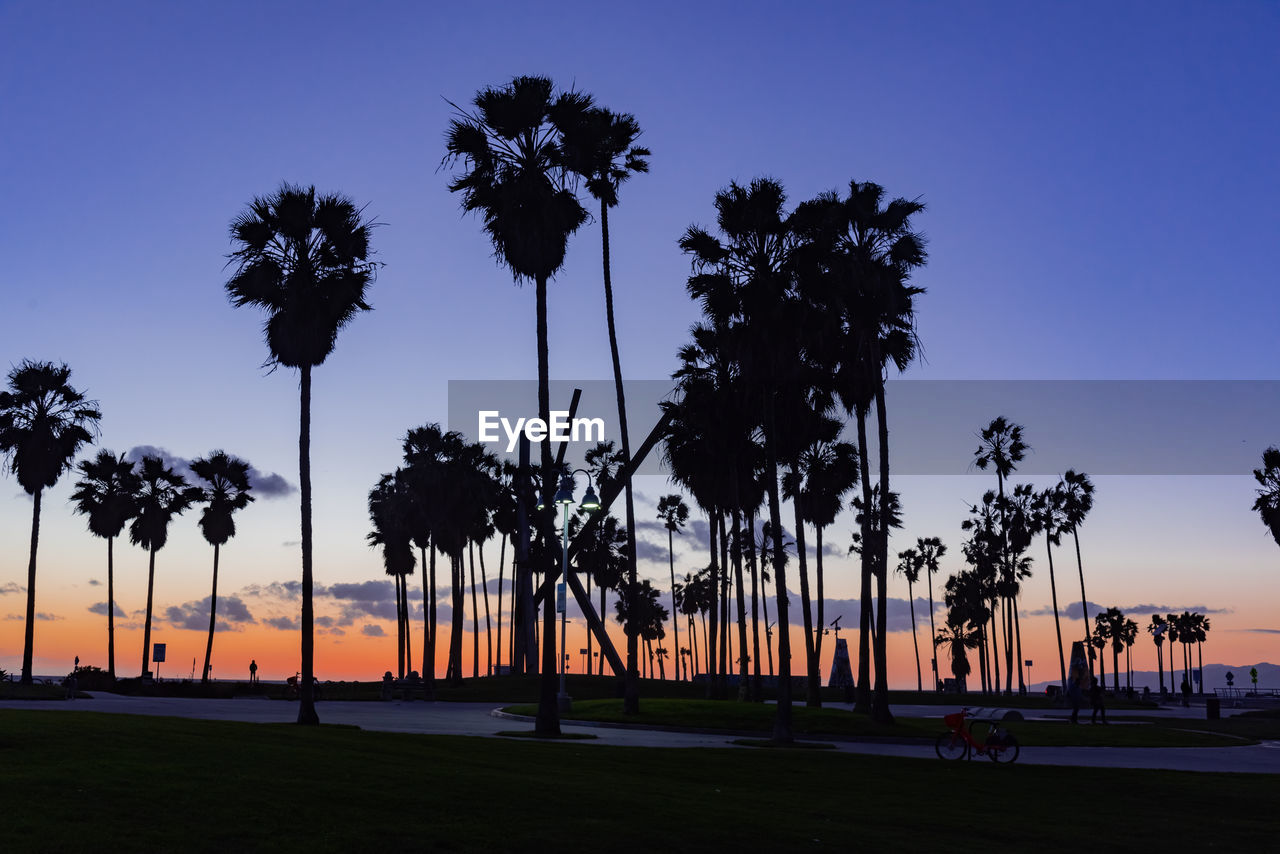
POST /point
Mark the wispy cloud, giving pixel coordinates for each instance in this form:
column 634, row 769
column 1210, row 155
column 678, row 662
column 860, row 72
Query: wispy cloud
column 372, row 630
column 101, row 609
column 11, row 587
column 1073, row 611
column 264, row 484
column 40, row 615
column 282, row 623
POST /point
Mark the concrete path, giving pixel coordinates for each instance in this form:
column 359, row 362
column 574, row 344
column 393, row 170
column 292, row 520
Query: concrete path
column 477, row 719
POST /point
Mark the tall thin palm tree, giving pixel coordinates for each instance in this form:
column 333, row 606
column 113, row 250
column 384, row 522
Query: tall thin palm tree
column 931, row 550
column 107, row 493
column 391, row 516
column 1077, row 491
column 227, row 491
column 909, row 565
column 674, row 513
column 162, row 494
column 514, row 177
column 1050, row 519
column 44, row 421
column 599, row 146
column 1158, row 628
column 303, row 258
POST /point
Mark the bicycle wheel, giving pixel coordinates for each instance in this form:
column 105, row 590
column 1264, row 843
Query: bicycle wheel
column 1006, row 752
column 951, row 745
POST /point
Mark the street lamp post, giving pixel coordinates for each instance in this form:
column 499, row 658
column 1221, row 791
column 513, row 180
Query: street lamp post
column 564, row 497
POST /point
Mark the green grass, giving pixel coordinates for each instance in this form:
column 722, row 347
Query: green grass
column 72, row 781
column 758, row 717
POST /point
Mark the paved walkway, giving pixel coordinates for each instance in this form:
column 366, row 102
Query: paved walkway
column 477, row 719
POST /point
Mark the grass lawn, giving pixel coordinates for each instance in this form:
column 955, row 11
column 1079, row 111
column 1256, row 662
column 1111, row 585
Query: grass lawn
column 84, row 781
column 757, row 717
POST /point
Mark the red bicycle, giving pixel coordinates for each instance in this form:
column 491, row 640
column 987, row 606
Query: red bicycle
column 999, row 745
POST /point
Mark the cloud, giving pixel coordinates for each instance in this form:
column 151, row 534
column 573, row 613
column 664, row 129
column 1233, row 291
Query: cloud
column 372, row 630
column 1259, row 631
column 325, row 621
column 646, row 550
column 333, row 631
column 1072, row 610
column 40, row 615
column 194, row 616
column 101, row 608
column 848, row 610
column 287, row 590
column 93, row 582
column 284, row 624
column 291, row 544
column 11, row 587
column 365, row 599
column 264, row 484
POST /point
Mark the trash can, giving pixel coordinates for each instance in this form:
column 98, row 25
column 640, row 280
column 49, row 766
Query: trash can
column 1212, row 708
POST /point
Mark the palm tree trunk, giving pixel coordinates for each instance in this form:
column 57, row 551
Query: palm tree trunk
column 1084, row 601
column 29, row 638
column 1115, row 667
column 693, row 633
column 213, row 609
column 880, row 700
column 429, row 633
column 714, row 613
column 306, row 693
column 755, row 608
column 782, row 722
column 111, row 610
column 862, row 697
column 723, row 688
column 475, row 615
column 399, row 627
column 1017, row 629
column 1200, row 665
column 548, row 718
column 813, row 696
column 994, row 659
column 821, row 626
column 408, row 638
column 911, row 601
column 146, row 625
column 675, row 614
column 502, row 566
column 742, row 608
column 1057, row 626
column 933, row 633
column 488, row 623
column 459, row 616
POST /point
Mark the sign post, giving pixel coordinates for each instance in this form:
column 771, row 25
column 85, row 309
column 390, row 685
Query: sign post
column 157, row 656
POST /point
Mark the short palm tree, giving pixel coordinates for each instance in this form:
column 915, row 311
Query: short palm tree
column 107, row 494
column 1268, row 503
column 391, row 511
column 303, row 258
column 227, row 491
column 957, row 637
column 43, row 423
column 514, row 177
column 162, row 494
column 674, row 513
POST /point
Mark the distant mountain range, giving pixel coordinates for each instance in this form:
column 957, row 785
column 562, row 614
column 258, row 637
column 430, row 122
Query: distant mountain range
column 1215, row 676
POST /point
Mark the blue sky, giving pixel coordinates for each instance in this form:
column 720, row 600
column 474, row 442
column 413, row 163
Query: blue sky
column 1100, row 181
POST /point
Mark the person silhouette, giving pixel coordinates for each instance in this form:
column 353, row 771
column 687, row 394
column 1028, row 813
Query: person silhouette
column 253, row 671
column 1095, row 699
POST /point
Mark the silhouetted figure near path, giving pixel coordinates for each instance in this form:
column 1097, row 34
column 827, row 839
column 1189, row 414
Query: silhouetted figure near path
column 1074, row 694
column 1095, row 699
column 1186, row 692
column 253, row 671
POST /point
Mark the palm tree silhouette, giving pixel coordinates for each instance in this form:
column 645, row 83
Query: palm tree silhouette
column 1050, row 518
column 1267, row 504
column 227, row 491
column 1158, row 628
column 391, row 516
column 43, row 423
column 958, row 636
column 162, row 494
column 304, row 260
column 599, row 146
column 1000, row 447
column 515, row 178
column 909, row 565
column 107, row 494
column 931, row 550
column 674, row 513
column 1077, row 491
column 831, row 472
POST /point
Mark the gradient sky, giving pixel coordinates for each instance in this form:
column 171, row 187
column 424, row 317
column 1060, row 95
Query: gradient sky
column 1100, row 183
